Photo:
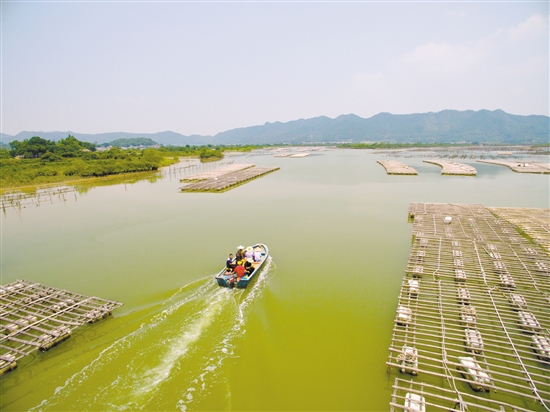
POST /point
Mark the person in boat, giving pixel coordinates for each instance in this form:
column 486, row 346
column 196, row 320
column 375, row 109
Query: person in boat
column 257, row 254
column 240, row 253
column 230, row 279
column 249, row 254
column 229, row 264
column 248, row 267
column 239, row 270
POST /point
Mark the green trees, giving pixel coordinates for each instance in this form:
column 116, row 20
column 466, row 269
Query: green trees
column 205, row 152
column 135, row 141
column 72, row 147
column 50, row 157
column 36, row 147
column 32, row 148
column 152, row 156
column 208, row 152
column 36, row 161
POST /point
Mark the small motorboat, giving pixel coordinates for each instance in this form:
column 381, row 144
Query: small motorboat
column 230, row 281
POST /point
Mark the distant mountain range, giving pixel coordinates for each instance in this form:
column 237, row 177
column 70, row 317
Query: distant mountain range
column 447, row 126
column 165, row 138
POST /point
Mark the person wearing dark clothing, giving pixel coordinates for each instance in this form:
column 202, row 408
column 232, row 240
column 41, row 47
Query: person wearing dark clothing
column 229, row 262
column 248, row 266
column 240, row 253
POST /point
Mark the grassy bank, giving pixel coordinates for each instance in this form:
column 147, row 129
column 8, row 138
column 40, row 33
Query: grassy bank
column 32, row 172
column 37, row 162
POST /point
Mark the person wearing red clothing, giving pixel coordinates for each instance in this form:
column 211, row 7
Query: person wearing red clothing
column 239, row 270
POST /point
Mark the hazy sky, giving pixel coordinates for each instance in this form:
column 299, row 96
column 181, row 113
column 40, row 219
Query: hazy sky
column 202, row 68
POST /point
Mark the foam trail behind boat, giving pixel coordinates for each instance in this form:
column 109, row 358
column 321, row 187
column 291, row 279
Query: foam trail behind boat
column 181, row 346
column 227, row 343
column 140, row 346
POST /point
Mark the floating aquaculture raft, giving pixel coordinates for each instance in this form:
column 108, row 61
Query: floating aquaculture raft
column 227, row 180
column 37, row 317
column 521, row 167
column 394, row 167
column 454, row 168
column 534, row 223
column 216, row 173
column 473, row 314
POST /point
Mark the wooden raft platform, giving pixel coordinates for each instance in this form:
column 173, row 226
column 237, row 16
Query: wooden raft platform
column 535, row 223
column 521, row 167
column 394, row 167
column 37, row 317
column 454, row 168
column 216, row 173
column 473, row 314
column 228, row 181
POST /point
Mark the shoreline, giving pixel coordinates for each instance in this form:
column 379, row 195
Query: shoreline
column 46, row 185
column 10, row 189
column 38, row 186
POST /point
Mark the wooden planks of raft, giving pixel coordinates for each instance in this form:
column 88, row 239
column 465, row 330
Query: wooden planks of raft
column 474, row 289
column 454, row 168
column 533, row 222
column 216, row 173
column 521, row 167
column 37, row 317
column 228, row 180
column 393, row 167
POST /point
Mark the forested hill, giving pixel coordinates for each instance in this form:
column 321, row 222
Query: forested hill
column 164, row 138
column 447, row 126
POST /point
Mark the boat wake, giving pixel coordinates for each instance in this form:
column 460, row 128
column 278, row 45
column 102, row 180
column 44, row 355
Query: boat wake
column 170, row 361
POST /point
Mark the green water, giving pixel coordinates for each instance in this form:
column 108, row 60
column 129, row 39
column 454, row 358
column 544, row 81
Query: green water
column 311, row 333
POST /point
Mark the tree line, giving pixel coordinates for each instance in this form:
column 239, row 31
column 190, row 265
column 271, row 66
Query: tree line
column 36, row 147
column 71, row 147
column 37, row 161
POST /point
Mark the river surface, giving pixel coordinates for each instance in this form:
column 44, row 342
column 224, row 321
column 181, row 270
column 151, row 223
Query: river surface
column 311, row 332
